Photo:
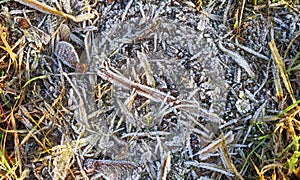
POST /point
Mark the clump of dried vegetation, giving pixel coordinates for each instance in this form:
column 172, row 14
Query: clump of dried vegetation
column 120, row 90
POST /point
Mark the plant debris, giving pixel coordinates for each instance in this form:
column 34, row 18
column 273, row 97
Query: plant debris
column 149, row 90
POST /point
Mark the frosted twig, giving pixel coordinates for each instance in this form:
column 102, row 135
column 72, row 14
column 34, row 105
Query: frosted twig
column 142, row 90
column 209, row 166
column 214, row 145
column 238, row 59
column 253, row 52
column 155, row 133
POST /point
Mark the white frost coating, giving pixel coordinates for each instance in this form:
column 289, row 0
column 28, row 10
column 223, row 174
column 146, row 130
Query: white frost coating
column 184, row 64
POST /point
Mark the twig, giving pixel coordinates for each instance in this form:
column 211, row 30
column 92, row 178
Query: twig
column 49, row 10
column 142, row 90
column 155, row 133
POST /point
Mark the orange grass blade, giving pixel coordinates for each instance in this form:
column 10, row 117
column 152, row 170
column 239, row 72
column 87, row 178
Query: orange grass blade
column 7, row 48
column 16, row 142
column 260, row 175
column 5, row 117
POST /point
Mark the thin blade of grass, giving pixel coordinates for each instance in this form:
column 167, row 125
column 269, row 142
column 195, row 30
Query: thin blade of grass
column 165, row 166
column 291, row 43
column 278, row 87
column 282, row 69
column 16, row 142
column 293, row 162
column 50, row 10
column 4, row 163
column 209, row 166
column 229, row 161
column 42, row 7
column 293, row 143
column 268, row 167
column 213, row 146
column 145, row 63
column 292, row 106
column 33, row 79
column 252, row 151
column 82, row 111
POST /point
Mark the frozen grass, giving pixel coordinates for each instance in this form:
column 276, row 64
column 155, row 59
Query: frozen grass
column 54, row 120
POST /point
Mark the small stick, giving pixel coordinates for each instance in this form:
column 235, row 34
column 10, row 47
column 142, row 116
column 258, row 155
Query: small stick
column 142, row 90
column 155, row 95
column 50, row 10
column 141, row 134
